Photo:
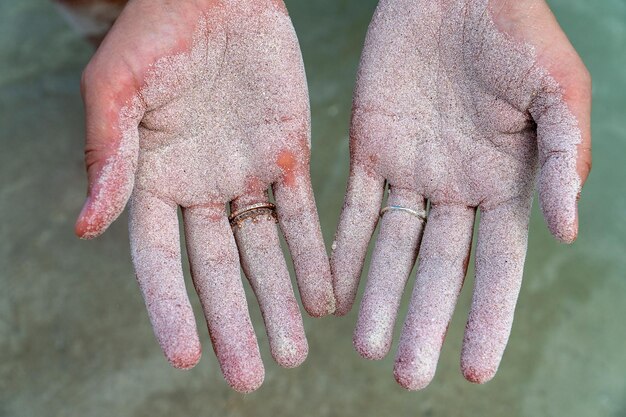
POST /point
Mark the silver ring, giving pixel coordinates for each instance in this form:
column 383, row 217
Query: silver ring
column 237, row 218
column 420, row 214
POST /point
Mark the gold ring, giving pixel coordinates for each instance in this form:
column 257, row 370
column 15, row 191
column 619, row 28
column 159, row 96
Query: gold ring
column 238, row 217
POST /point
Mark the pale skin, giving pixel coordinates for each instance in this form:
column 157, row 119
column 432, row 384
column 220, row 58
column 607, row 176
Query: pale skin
column 150, row 30
column 462, row 105
column 241, row 137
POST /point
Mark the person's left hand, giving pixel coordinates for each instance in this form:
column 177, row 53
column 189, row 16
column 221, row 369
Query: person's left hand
column 459, row 103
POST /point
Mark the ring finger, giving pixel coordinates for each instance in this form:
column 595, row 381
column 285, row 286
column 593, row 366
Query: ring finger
column 394, row 256
column 265, row 267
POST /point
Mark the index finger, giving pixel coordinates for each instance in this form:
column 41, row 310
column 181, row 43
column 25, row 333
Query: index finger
column 500, row 255
column 297, row 215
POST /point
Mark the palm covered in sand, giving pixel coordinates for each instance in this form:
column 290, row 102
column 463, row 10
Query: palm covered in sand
column 457, row 104
column 201, row 107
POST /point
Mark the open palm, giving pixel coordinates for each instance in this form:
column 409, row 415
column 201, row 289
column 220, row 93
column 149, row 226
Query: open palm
column 198, row 105
column 457, row 104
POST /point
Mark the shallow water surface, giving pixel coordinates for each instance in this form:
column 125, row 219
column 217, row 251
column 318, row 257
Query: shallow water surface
column 75, row 339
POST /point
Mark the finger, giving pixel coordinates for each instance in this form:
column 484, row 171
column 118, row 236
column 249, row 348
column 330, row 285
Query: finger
column 155, row 248
column 562, row 113
column 392, row 261
column 215, row 270
column 442, row 265
column 500, row 254
column 264, row 264
column 359, row 217
column 112, row 142
column 297, row 215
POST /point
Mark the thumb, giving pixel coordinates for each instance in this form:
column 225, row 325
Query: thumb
column 113, row 112
column 562, row 111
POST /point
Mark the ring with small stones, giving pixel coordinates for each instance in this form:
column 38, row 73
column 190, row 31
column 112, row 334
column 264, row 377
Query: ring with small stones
column 254, row 213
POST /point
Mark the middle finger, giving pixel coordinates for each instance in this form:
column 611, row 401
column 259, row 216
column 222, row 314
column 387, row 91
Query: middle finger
column 443, row 259
column 216, row 276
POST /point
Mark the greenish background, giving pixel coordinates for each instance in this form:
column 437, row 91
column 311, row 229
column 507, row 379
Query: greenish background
column 75, row 339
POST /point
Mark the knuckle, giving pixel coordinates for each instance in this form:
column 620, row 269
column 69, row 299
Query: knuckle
column 586, row 168
column 585, row 76
column 579, row 80
column 88, row 78
column 584, row 81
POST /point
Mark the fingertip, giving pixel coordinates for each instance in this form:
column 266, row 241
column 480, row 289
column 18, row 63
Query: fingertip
column 178, row 339
column 81, row 230
column 107, row 199
column 371, row 346
column 409, row 379
column 245, row 378
column 343, row 301
column 317, row 302
column 479, row 364
column 478, row 375
column 567, row 235
column 561, row 225
column 87, row 226
column 341, row 308
column 291, row 361
column 290, row 353
column 558, row 199
column 185, row 359
column 320, row 308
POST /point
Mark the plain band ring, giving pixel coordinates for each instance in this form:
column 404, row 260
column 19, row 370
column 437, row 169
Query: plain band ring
column 420, row 214
column 237, row 217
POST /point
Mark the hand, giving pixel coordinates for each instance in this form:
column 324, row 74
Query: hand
column 457, row 103
column 199, row 104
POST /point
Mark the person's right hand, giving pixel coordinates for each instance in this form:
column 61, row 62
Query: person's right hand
column 198, row 104
column 458, row 103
